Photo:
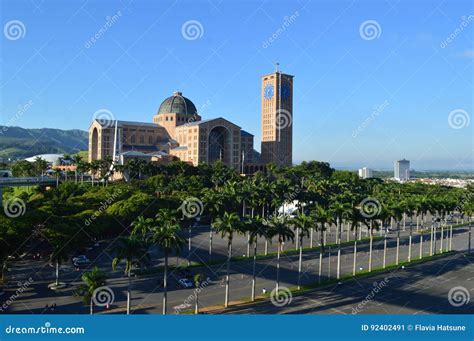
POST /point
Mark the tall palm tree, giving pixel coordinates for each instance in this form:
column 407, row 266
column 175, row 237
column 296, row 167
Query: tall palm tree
column 198, row 278
column 227, row 225
column 323, row 217
column 83, row 167
column 75, row 160
column 67, row 158
column 129, row 249
column 57, row 173
column 340, row 210
column 60, row 253
column 165, row 236
column 279, row 228
column 93, row 280
column 213, row 202
column 303, row 223
column 255, row 228
column 94, row 168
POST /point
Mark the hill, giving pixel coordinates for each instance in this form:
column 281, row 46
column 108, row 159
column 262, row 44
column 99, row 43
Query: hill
column 19, row 143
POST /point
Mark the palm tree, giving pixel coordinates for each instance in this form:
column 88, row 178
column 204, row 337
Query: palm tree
column 94, row 168
column 279, row 228
column 197, row 282
column 129, row 249
column 75, row 160
column 340, row 210
column 255, row 228
column 213, row 202
column 93, row 280
column 303, row 223
column 83, row 167
column 227, row 225
column 67, row 158
column 355, row 218
column 322, row 216
column 59, row 254
column 142, row 225
column 40, row 165
column 57, row 172
column 165, row 236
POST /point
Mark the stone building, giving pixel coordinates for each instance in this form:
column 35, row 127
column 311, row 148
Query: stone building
column 178, row 131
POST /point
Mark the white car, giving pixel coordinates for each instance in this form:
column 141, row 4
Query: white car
column 81, row 260
column 185, row 283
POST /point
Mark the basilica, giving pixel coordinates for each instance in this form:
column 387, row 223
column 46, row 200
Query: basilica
column 178, row 131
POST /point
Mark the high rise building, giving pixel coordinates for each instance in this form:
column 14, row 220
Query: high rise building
column 402, row 170
column 365, row 173
column 277, row 118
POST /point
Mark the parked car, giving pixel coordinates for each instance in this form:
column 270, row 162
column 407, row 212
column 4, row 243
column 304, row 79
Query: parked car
column 80, row 260
column 185, row 283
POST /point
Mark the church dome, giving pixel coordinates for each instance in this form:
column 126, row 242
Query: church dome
column 177, row 104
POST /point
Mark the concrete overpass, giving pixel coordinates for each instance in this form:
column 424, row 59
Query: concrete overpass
column 23, row 182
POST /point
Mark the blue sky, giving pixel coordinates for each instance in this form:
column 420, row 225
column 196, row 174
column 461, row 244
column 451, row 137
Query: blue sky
column 359, row 99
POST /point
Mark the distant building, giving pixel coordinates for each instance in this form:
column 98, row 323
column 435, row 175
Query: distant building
column 54, row 159
column 402, row 170
column 365, row 173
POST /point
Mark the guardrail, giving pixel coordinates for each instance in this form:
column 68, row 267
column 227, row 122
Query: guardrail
column 26, row 181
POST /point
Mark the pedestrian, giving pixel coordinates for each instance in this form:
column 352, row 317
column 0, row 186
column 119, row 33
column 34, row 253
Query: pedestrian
column 264, row 291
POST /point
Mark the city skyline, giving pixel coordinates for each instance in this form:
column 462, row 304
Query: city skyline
column 359, row 99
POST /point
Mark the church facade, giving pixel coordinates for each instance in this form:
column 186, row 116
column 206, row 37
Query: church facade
column 178, row 131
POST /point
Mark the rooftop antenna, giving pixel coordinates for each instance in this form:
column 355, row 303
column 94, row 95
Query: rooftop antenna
column 277, row 67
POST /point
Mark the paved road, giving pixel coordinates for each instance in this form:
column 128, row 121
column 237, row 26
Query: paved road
column 416, row 289
column 147, row 294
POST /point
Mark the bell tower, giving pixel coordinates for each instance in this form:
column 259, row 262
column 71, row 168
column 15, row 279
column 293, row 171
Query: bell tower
column 277, row 118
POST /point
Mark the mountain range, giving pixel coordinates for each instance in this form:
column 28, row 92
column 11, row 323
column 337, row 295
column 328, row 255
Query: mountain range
column 19, row 143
